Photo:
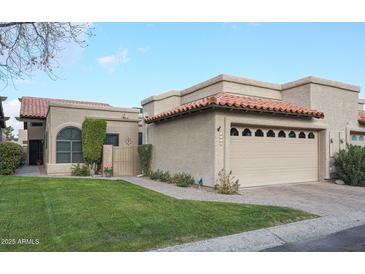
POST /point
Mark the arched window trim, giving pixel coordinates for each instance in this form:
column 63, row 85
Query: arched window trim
column 301, row 135
column 246, row 132
column 270, row 133
column 311, row 135
column 282, row 134
column 71, row 147
column 259, row 133
column 292, row 134
column 234, row 131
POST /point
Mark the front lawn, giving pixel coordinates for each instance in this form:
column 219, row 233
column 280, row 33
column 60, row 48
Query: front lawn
column 99, row 215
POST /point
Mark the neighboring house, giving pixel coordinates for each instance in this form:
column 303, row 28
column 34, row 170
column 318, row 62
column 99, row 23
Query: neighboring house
column 2, row 119
column 54, row 130
column 264, row 133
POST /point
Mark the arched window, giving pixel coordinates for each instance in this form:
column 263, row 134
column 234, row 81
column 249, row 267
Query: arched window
column 234, row 131
column 301, row 135
column 292, row 134
column 281, row 134
column 259, row 133
column 246, row 132
column 310, row 135
column 270, row 133
column 69, row 146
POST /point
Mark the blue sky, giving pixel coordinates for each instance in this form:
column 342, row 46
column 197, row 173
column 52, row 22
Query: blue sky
column 127, row 62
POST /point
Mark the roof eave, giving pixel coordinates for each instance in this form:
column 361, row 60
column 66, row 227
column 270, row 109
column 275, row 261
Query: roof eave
column 260, row 111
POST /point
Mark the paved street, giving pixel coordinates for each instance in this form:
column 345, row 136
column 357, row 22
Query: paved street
column 352, row 239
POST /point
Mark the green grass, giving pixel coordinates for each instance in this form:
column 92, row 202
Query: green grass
column 100, row 215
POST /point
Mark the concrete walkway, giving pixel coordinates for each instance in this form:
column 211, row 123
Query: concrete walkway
column 340, row 207
column 28, row 171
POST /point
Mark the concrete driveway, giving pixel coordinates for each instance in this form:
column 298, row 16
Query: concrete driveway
column 319, row 198
column 340, row 207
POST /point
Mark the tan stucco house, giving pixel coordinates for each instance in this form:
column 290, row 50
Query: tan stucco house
column 264, row 133
column 2, row 119
column 53, row 130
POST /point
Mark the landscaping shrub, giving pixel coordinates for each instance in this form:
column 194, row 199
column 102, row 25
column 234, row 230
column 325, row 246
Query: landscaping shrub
column 93, row 135
column 164, row 176
column 182, row 179
column 11, row 157
column 80, row 170
column 350, row 165
column 145, row 154
column 226, row 183
column 155, row 175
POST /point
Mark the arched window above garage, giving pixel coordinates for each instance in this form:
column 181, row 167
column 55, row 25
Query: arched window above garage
column 259, row 133
column 246, row 132
column 311, row 135
column 234, row 131
column 301, row 135
column 292, row 134
column 270, row 133
column 281, row 134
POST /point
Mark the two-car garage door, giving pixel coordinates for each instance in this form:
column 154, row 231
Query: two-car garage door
column 273, row 156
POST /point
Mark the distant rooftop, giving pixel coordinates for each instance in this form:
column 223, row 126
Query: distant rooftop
column 34, row 107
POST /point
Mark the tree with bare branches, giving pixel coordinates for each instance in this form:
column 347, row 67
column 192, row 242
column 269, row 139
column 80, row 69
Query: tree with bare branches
column 29, row 46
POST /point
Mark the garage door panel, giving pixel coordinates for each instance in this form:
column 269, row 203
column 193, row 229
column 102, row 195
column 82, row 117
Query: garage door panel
column 265, row 161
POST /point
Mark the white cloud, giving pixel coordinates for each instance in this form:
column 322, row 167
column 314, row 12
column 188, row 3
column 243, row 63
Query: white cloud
column 11, row 109
column 143, row 49
column 111, row 62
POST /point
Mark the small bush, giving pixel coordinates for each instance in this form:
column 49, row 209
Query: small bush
column 164, row 176
column 182, row 179
column 226, row 183
column 145, row 154
column 11, row 157
column 80, row 170
column 350, row 165
column 155, row 175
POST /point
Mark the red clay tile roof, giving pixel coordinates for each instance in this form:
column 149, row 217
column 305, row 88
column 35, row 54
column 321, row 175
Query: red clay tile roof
column 361, row 117
column 33, row 107
column 238, row 102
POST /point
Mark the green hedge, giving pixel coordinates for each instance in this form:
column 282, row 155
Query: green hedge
column 350, row 165
column 145, row 155
column 93, row 135
column 11, row 157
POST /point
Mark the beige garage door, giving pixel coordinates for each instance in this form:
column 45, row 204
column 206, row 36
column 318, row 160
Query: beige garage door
column 273, row 156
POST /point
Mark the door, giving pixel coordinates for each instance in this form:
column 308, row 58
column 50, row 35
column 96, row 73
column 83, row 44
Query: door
column 35, row 152
column 273, row 156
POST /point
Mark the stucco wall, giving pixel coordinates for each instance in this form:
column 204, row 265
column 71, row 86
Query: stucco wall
column 201, row 93
column 185, row 144
column 300, row 95
column 230, row 87
column 61, row 117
